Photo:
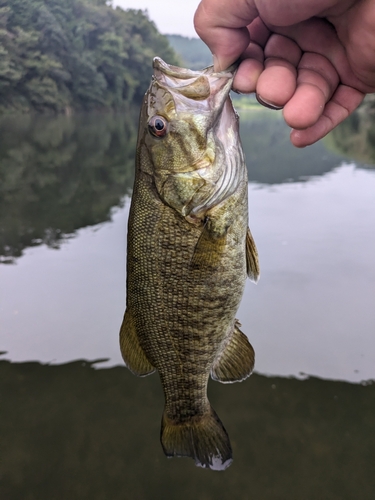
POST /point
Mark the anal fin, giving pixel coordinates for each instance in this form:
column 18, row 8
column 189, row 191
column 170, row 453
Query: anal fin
column 236, row 362
column 252, row 259
column 132, row 353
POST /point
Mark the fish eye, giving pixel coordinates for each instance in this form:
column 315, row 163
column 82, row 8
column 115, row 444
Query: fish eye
column 158, row 126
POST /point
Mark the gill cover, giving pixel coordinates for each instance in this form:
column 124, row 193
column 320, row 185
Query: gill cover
column 195, row 158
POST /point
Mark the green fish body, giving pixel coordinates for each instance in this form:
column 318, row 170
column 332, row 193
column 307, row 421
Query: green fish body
column 189, row 252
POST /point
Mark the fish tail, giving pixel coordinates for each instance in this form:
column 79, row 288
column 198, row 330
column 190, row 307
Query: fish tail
column 202, row 438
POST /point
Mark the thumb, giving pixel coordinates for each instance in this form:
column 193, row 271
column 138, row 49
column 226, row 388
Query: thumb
column 222, row 26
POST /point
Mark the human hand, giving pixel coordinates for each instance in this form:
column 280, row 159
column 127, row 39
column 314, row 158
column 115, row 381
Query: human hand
column 313, row 58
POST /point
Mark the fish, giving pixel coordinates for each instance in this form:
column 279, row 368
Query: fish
column 189, row 252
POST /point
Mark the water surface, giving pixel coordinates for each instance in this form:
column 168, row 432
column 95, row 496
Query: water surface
column 64, row 211
column 302, row 427
column 70, row 431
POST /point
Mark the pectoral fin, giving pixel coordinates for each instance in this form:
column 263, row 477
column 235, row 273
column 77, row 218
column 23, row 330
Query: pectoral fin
column 236, row 362
column 132, row 353
column 252, row 260
column 208, row 250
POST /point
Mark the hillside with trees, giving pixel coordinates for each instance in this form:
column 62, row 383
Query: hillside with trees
column 194, row 53
column 64, row 55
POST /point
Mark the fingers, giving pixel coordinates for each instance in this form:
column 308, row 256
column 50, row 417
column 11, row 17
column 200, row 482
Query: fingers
column 317, row 71
column 277, row 83
column 320, row 37
column 302, row 83
column 356, row 32
column 316, row 82
column 344, row 101
column 247, row 75
column 305, row 92
column 222, row 24
column 252, row 57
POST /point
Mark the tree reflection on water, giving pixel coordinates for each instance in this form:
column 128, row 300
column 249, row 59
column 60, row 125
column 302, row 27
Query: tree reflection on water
column 355, row 137
column 61, row 174
column 70, row 431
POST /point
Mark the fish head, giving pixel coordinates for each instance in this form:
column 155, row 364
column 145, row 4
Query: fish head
column 188, row 135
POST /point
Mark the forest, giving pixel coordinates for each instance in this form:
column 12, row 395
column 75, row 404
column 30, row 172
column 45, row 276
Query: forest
column 64, row 55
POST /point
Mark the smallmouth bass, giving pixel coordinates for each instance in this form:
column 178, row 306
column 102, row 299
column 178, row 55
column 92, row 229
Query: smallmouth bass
column 189, row 253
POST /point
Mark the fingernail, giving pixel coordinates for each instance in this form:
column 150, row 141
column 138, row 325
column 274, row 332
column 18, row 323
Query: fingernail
column 267, row 104
column 239, row 92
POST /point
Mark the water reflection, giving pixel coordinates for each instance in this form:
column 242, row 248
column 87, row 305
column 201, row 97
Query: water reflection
column 61, row 174
column 312, row 310
column 270, row 156
column 71, row 431
column 355, row 137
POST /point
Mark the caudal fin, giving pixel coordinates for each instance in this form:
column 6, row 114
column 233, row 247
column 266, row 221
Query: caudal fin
column 202, row 438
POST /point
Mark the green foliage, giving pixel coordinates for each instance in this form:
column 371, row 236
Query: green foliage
column 56, row 55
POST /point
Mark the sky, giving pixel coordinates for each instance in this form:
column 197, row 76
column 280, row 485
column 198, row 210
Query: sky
column 170, row 17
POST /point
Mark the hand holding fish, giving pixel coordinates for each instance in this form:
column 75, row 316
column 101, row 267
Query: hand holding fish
column 315, row 59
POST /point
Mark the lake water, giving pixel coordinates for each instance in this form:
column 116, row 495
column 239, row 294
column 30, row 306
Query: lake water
column 302, row 427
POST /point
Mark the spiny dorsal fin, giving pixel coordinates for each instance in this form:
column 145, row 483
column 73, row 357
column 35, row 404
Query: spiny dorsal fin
column 252, row 259
column 236, row 362
column 134, row 357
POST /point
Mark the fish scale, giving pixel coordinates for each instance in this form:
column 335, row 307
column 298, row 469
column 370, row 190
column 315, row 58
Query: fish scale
column 189, row 252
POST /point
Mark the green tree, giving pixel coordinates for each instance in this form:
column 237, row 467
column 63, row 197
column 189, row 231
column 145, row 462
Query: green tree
column 61, row 54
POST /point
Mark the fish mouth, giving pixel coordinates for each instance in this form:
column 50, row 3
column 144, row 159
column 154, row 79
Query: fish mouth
column 197, row 85
column 185, row 74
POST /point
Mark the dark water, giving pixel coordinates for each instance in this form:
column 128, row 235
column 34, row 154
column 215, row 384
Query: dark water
column 71, row 430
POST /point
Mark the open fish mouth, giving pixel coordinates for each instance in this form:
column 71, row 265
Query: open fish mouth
column 186, row 74
column 197, row 85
